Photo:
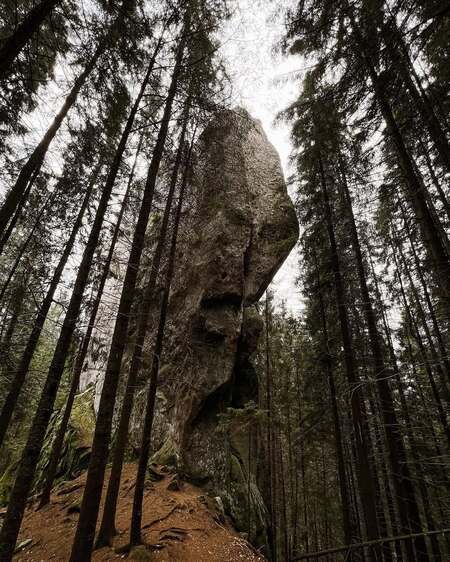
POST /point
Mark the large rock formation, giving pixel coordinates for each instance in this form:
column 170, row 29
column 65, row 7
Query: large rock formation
column 238, row 228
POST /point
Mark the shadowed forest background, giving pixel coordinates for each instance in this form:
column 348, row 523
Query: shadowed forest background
column 330, row 434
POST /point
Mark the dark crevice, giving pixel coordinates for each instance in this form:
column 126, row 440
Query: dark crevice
column 225, row 299
column 212, row 404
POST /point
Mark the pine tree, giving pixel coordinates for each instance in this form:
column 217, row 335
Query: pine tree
column 31, row 452
column 34, row 162
column 107, row 529
column 17, row 40
column 81, row 356
column 136, row 515
column 84, row 538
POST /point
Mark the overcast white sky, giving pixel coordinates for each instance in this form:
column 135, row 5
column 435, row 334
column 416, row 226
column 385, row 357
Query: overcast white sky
column 264, row 85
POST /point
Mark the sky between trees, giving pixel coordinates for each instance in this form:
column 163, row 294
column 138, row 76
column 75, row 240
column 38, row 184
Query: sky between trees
column 263, row 83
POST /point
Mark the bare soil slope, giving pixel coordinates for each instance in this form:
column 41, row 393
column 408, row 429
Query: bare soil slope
column 180, row 524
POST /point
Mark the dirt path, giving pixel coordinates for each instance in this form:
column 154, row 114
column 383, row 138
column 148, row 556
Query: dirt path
column 181, row 525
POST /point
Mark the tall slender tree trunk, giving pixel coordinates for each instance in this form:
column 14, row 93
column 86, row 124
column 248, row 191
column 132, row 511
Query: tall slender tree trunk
column 445, row 358
column 442, row 415
column 20, row 207
column 418, row 198
column 437, row 221
column 414, row 446
column 290, row 469
column 403, row 64
column 364, row 472
column 325, row 503
column 416, row 334
column 283, row 497
column 351, row 471
column 16, row 306
column 387, row 509
column 436, row 359
column 35, row 160
column 81, row 356
column 14, row 44
column 276, row 492
column 420, row 476
column 84, row 537
column 27, row 241
column 297, row 464
column 107, row 528
column 349, row 533
column 27, row 355
column 269, row 434
column 305, row 496
column 249, row 481
column 434, row 178
column 136, row 515
column 408, row 509
column 32, row 166
column 32, row 450
column 429, row 421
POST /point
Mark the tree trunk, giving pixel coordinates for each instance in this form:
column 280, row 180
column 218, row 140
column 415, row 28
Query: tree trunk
column 434, row 178
column 437, row 331
column 136, row 515
column 12, row 47
column 84, row 537
column 20, row 207
column 364, row 473
column 297, row 464
column 305, row 496
column 16, row 302
column 416, row 334
column 410, row 432
column 429, row 422
column 431, row 237
column 269, row 435
column 59, row 440
column 32, row 450
column 107, row 528
column 284, row 517
column 420, row 97
column 435, row 358
column 15, row 198
column 24, row 246
column 404, row 490
column 387, row 509
column 35, row 160
column 27, row 355
column 349, row 533
column 289, row 463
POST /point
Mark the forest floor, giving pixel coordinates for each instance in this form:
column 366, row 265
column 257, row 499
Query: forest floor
column 180, row 524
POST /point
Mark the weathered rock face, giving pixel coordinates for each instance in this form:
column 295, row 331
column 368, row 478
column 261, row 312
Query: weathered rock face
column 237, row 230
column 240, row 229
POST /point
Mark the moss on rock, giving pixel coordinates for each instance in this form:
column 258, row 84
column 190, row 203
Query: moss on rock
column 75, row 452
column 77, row 443
column 6, row 483
column 167, row 455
